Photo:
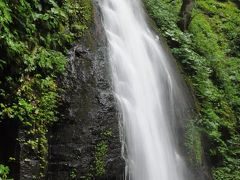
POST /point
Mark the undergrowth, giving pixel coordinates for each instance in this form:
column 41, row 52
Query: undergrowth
column 209, row 54
column 34, row 38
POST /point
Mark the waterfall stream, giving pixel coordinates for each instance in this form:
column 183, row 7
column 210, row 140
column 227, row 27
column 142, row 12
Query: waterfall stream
column 150, row 98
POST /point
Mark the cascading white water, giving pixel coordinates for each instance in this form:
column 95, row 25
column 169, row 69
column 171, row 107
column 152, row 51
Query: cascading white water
column 147, row 91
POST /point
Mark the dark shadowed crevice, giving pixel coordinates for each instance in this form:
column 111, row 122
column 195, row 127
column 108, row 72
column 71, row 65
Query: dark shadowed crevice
column 9, row 154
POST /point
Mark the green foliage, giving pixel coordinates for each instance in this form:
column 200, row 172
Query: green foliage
column 48, row 61
column 107, row 133
column 100, row 155
column 209, row 55
column 73, row 174
column 4, row 171
column 34, row 38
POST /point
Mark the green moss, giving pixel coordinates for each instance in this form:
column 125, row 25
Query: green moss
column 107, row 133
column 202, row 32
column 100, row 156
column 193, row 144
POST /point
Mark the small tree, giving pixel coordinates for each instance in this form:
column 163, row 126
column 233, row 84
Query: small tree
column 185, row 14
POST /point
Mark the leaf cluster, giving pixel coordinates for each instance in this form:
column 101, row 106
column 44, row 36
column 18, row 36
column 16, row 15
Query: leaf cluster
column 34, row 38
column 209, row 56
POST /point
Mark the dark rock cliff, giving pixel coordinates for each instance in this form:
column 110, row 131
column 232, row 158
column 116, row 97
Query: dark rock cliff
column 85, row 143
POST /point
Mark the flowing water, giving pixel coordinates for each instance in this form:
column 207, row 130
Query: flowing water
column 150, row 98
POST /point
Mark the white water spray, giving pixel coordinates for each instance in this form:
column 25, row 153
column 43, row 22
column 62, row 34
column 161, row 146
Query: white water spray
column 147, row 91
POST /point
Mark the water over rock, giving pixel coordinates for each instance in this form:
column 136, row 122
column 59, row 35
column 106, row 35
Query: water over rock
column 85, row 143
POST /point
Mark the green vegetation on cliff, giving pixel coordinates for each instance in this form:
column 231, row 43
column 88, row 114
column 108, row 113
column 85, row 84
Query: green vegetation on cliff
column 34, row 38
column 209, row 54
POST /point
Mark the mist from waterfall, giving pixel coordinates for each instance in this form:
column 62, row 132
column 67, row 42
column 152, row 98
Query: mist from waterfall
column 147, row 88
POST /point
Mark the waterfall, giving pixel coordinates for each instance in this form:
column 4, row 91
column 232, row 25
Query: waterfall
column 147, row 88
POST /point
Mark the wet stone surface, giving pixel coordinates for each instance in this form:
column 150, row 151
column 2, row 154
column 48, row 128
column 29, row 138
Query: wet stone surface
column 89, row 116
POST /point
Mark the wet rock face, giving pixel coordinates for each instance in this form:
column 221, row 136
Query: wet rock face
column 29, row 164
column 85, row 143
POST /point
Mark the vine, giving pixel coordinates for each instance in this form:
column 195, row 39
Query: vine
column 34, row 38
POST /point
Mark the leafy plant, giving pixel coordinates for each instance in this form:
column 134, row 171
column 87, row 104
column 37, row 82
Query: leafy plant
column 101, row 152
column 4, row 172
column 34, row 38
column 209, row 56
